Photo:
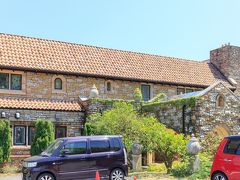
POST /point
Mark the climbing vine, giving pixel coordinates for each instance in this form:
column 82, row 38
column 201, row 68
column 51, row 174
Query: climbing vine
column 110, row 102
column 175, row 102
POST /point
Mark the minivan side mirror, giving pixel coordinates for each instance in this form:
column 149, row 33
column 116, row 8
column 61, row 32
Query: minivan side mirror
column 64, row 152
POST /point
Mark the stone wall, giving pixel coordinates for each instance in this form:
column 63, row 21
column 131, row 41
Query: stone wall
column 204, row 116
column 172, row 116
column 40, row 85
column 209, row 115
column 227, row 60
column 72, row 120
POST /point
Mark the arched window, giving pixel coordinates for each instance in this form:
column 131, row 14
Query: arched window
column 58, row 84
column 109, row 86
column 220, row 101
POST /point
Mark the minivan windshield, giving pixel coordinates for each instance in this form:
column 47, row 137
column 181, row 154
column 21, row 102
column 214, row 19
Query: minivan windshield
column 52, row 147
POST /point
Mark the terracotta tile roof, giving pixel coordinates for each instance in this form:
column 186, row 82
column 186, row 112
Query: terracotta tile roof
column 60, row 57
column 39, row 104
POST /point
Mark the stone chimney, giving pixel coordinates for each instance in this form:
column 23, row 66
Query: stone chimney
column 227, row 60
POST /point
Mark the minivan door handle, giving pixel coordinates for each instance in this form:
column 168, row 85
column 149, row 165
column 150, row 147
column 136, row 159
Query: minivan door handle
column 57, row 163
column 227, row 160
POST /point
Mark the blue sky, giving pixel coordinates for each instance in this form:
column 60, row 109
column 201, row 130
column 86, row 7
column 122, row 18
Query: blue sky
column 180, row 28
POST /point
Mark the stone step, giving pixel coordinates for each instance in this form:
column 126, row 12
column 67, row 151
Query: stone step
column 20, row 151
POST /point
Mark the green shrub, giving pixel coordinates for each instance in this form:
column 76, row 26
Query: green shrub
column 210, row 144
column 124, row 120
column 137, row 95
column 121, row 120
column 169, row 145
column 5, row 141
column 157, row 167
column 182, row 168
column 44, row 136
column 205, row 167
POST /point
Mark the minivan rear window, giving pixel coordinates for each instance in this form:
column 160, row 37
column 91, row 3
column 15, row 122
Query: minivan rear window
column 232, row 146
column 116, row 145
column 99, row 146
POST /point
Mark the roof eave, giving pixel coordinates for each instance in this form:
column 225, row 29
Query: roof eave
column 106, row 77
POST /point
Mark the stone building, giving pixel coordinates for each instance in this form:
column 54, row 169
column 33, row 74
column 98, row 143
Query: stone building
column 48, row 79
column 215, row 108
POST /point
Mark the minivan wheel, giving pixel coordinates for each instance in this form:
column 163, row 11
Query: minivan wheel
column 46, row 176
column 117, row 174
column 219, row 176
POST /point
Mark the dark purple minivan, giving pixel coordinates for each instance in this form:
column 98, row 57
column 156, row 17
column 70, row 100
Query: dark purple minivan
column 79, row 158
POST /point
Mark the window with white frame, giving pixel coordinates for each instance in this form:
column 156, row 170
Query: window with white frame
column 19, row 135
column 23, row 135
column 31, row 134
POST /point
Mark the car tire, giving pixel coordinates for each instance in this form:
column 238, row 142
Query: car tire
column 46, row 176
column 219, row 176
column 117, row 174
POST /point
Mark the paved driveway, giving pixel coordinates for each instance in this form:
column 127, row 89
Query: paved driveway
column 13, row 177
column 18, row 177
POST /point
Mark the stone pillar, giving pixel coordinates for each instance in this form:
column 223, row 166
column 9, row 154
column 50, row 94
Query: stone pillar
column 193, row 147
column 137, row 157
column 137, row 162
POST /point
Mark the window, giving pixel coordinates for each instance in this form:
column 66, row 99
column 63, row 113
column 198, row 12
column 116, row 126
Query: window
column 10, row 81
column 109, row 87
column 189, row 90
column 19, row 135
column 31, row 134
column 16, row 82
column 58, row 84
column 60, row 132
column 76, row 148
column 220, row 101
column 146, row 94
column 23, row 135
column 180, row 90
column 99, row 146
column 232, row 147
column 116, row 145
column 4, row 81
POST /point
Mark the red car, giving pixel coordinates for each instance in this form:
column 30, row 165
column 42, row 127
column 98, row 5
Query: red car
column 226, row 164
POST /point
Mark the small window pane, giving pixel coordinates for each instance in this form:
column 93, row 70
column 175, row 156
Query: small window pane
column 100, row 146
column 76, row 148
column 31, row 134
column 16, row 82
column 145, row 89
column 60, row 132
column 180, row 90
column 189, row 90
column 109, row 86
column 58, row 84
column 116, row 145
column 19, row 135
column 4, row 81
column 232, row 147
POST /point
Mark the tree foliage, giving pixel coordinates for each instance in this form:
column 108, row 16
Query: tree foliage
column 5, row 141
column 211, row 143
column 137, row 95
column 44, row 136
column 124, row 120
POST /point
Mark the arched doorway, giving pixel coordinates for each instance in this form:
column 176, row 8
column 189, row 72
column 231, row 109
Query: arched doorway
column 222, row 131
